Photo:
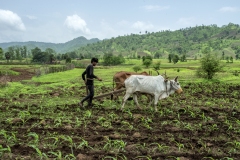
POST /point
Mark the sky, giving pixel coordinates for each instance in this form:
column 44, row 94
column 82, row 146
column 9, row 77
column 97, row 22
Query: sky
column 59, row 21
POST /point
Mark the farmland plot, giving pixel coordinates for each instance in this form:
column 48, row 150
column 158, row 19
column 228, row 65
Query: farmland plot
column 202, row 123
column 43, row 121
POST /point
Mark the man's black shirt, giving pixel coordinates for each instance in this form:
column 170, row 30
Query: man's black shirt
column 90, row 75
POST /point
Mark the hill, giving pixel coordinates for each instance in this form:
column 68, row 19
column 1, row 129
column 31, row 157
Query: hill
column 58, row 47
column 192, row 41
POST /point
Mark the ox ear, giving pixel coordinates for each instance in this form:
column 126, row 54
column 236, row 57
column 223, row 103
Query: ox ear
column 166, row 79
column 176, row 79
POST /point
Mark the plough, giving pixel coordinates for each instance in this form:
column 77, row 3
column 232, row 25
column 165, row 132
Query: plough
column 117, row 92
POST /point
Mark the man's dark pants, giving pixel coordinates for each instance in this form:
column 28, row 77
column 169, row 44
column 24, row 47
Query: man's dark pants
column 90, row 95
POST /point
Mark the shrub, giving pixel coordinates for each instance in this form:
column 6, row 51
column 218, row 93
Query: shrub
column 210, row 65
column 235, row 73
column 156, row 65
column 147, row 62
column 137, row 68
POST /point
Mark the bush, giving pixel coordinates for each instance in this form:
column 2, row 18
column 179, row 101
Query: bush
column 156, row 65
column 210, row 65
column 137, row 68
column 68, row 60
column 147, row 62
column 235, row 73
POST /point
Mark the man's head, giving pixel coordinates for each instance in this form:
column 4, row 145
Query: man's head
column 94, row 61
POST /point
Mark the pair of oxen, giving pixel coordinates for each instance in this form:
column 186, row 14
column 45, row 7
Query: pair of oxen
column 157, row 87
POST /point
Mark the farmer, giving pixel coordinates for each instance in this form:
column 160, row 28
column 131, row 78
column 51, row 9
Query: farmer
column 89, row 82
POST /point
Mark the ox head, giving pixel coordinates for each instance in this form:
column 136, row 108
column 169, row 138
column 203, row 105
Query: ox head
column 144, row 73
column 176, row 85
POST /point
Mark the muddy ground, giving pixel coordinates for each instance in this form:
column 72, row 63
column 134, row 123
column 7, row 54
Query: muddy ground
column 200, row 124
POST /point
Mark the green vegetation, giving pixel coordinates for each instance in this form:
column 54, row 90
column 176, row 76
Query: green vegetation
column 42, row 116
column 210, row 65
column 188, row 43
column 179, row 45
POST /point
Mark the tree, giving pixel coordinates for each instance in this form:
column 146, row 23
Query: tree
column 227, row 59
column 170, row 57
column 137, row 68
column 210, row 65
column 231, row 59
column 223, row 55
column 50, row 51
column 237, row 56
column 147, row 62
column 1, row 53
column 24, row 52
column 11, row 52
column 18, row 54
column 156, row 65
column 183, row 58
column 206, row 50
column 157, row 55
column 51, row 58
column 72, row 54
column 8, row 56
column 68, row 60
column 175, row 58
column 39, row 56
column 110, row 59
column 143, row 58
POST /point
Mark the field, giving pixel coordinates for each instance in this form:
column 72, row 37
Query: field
column 40, row 117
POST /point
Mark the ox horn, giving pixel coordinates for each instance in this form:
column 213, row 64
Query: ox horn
column 165, row 75
column 176, row 79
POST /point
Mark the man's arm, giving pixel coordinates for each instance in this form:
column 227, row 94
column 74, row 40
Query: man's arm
column 91, row 72
column 83, row 75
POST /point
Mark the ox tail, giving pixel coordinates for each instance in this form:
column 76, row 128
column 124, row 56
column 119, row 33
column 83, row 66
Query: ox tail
column 112, row 89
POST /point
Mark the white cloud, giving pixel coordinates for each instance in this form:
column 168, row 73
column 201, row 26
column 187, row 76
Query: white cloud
column 10, row 21
column 76, row 23
column 155, row 8
column 142, row 26
column 228, row 9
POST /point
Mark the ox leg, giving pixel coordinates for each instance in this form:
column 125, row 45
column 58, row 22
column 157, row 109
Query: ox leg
column 156, row 97
column 127, row 95
column 136, row 101
column 151, row 98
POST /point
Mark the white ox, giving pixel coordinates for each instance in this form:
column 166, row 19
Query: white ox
column 156, row 86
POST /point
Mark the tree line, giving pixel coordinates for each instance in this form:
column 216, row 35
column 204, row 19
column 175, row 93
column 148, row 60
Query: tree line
column 179, row 45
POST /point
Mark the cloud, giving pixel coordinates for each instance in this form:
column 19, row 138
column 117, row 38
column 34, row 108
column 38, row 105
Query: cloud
column 142, row 26
column 76, row 23
column 228, row 9
column 155, row 8
column 10, row 21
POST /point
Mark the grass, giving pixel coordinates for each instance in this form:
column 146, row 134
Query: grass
column 64, row 80
column 42, row 115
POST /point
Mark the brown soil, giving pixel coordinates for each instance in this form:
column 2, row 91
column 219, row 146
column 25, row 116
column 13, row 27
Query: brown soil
column 199, row 126
column 24, row 74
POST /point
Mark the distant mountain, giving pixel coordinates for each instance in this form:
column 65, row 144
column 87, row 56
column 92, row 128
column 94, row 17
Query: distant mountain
column 58, row 47
column 192, row 42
